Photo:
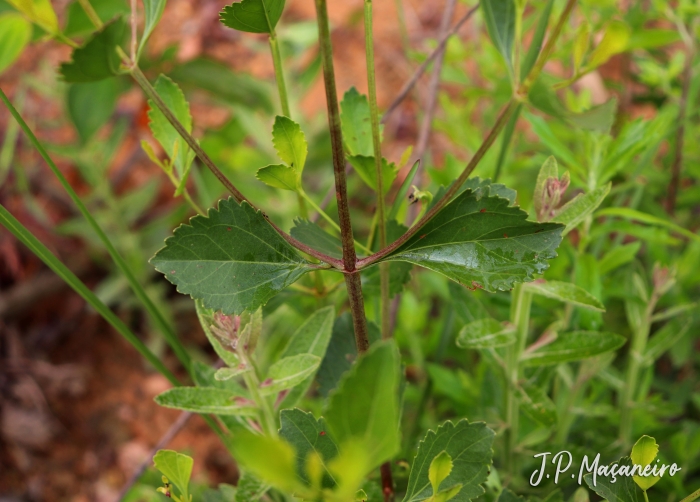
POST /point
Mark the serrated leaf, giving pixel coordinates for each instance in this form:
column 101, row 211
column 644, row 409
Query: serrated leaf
column 440, row 468
column 567, row 293
column 500, row 22
column 573, row 346
column 289, row 372
column 232, row 259
column 15, row 33
column 91, row 104
column 279, row 176
column 207, row 400
column 614, row 41
column 312, row 235
column 97, row 58
column 578, row 208
column 356, row 125
column 623, row 489
column 341, row 352
column 537, row 405
column 39, row 12
column 312, row 337
column 308, row 435
column 181, row 155
column 290, row 143
column 644, row 452
column 469, row 445
column 153, row 10
column 364, row 409
column 366, row 168
column 176, row 467
column 482, row 242
column 253, row 16
column 485, row 334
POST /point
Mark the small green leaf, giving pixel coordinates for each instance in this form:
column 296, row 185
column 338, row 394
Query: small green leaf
column 207, row 400
column 249, row 264
column 537, row 405
column 176, row 467
column 480, row 241
column 439, row 469
column 15, row 33
column 574, row 346
column 312, row 235
column 634, row 215
column 615, row 39
column 485, row 334
column 500, row 22
column 365, row 409
column 181, row 155
column 536, row 45
column 91, row 104
column 153, row 10
column 279, row 176
column 308, row 435
column 652, row 38
column 356, row 125
column 367, row 170
column 643, row 454
column 290, row 143
column 623, row 489
column 618, row 256
column 583, row 36
column 97, row 58
column 665, row 338
column 469, row 446
column 223, row 374
column 39, row 12
column 565, row 292
column 577, row 209
column 289, row 372
column 312, row 337
column 253, row 16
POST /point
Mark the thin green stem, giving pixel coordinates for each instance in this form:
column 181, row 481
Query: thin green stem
column 377, row 146
column 646, row 497
column 518, row 44
column 91, row 14
column 352, row 278
column 692, row 496
column 279, row 74
column 136, row 287
column 268, row 417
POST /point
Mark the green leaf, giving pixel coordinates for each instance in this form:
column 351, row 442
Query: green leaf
column 181, row 155
column 153, row 10
column 500, row 22
column 253, row 16
column 232, row 259
column 565, row 292
column 485, row 334
column 97, row 58
column 403, row 190
column 289, row 372
column 367, row 170
column 223, row 374
column 91, row 104
column 574, row 346
column 577, row 209
column 480, row 241
column 15, row 33
column 643, row 454
column 469, row 446
column 599, row 118
column 271, row 459
column 176, row 467
column 279, row 176
column 78, row 24
column 312, row 337
column 365, row 409
column 341, row 352
column 312, row 235
column 39, row 12
column 308, row 435
column 615, row 39
column 623, row 489
column 583, row 36
column 356, row 125
column 618, row 256
column 664, row 339
column 290, row 143
column 536, row 45
column 207, row 400
column 633, row 214
column 537, row 405
column 439, row 469
column 652, row 38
